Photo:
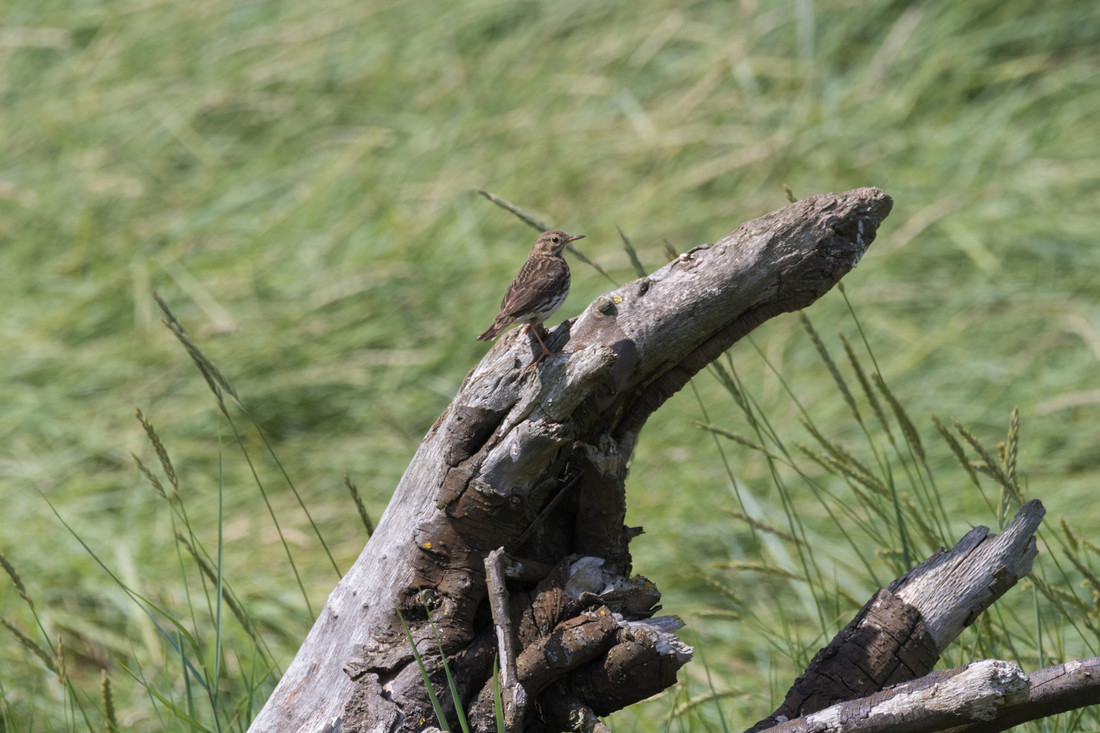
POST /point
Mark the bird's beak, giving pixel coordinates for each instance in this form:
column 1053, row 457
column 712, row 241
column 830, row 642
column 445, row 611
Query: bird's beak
column 573, row 237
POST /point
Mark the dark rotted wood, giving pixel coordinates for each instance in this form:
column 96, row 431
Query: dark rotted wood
column 565, row 711
column 864, row 657
column 470, row 426
column 634, row 668
column 571, row 644
column 601, row 504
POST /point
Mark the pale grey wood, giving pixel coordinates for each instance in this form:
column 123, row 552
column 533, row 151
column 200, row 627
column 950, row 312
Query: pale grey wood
column 1053, row 690
column 982, row 697
column 513, row 694
column 952, row 588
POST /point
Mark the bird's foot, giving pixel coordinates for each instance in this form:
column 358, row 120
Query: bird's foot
column 545, row 351
column 540, row 357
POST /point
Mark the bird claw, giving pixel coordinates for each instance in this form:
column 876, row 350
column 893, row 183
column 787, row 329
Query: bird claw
column 545, row 351
column 538, row 360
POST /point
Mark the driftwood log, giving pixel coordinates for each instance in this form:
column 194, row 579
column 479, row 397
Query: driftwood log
column 534, row 461
column 985, row 696
column 876, row 675
column 898, row 636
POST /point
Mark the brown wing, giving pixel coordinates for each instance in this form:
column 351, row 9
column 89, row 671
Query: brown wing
column 539, row 282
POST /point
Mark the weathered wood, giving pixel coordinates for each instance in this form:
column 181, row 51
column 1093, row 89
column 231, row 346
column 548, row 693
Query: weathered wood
column 899, row 635
column 516, row 440
column 986, row 696
column 933, row 702
column 951, row 589
column 1053, row 690
column 514, row 695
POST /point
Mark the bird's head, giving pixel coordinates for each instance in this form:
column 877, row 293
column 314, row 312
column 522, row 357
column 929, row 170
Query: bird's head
column 553, row 242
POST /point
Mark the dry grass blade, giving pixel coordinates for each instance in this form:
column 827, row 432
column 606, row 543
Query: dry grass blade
column 59, row 654
column 631, row 253
column 1090, row 546
column 757, row 567
column 1089, row 576
column 228, row 596
column 359, row 505
column 735, row 437
column 1059, row 597
column 833, row 466
column 15, row 579
column 1071, row 537
column 988, row 465
column 868, row 392
column 907, row 428
column 1010, row 491
column 541, row 226
column 764, row 526
column 957, row 449
column 831, row 366
column 149, row 476
column 158, row 446
column 580, row 256
column 32, row 646
column 845, row 462
column 730, row 385
column 670, row 251
column 864, row 478
column 1012, row 449
column 108, row 702
column 731, row 592
column 526, row 217
column 690, row 704
column 210, row 372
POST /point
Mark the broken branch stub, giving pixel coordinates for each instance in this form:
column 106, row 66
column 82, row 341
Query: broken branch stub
column 900, row 633
column 541, row 455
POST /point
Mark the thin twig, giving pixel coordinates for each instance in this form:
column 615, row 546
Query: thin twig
column 515, row 697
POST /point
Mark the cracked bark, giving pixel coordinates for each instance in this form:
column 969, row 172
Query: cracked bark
column 515, row 442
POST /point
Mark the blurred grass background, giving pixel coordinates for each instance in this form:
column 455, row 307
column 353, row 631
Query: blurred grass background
column 296, row 181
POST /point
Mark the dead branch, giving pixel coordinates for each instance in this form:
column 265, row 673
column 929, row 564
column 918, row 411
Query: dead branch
column 899, row 635
column 986, row 696
column 931, row 703
column 1052, row 690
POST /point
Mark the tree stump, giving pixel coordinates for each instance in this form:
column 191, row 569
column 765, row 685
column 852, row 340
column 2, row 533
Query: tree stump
column 534, row 461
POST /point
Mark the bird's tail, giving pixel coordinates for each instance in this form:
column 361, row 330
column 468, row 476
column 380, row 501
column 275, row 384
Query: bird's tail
column 498, row 326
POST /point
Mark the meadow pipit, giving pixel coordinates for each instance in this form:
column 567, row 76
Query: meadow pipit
column 538, row 290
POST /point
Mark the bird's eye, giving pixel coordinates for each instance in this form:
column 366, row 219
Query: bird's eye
column 557, row 239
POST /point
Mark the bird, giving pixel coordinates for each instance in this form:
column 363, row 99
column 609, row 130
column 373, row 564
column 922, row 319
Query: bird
column 538, row 290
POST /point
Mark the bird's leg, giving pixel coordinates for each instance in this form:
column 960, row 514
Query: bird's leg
column 545, row 351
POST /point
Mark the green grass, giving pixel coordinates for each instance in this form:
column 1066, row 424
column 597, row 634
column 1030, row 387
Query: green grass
column 296, row 181
column 834, row 519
